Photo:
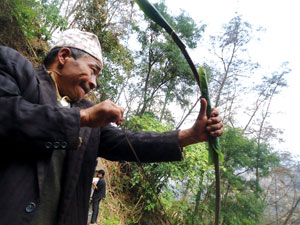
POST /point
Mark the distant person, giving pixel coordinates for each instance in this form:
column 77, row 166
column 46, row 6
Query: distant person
column 95, row 180
column 98, row 195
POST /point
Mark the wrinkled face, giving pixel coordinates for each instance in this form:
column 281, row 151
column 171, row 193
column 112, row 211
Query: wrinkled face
column 77, row 76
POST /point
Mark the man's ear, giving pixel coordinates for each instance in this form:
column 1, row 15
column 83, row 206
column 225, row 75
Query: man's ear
column 63, row 55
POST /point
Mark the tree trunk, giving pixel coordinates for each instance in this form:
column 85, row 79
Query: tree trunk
column 291, row 212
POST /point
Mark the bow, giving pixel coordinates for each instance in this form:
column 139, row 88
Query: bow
column 215, row 155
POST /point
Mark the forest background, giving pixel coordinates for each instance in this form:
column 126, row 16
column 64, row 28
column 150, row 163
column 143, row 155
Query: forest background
column 145, row 72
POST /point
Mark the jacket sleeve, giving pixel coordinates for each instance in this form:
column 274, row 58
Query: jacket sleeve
column 149, row 146
column 24, row 122
column 101, row 184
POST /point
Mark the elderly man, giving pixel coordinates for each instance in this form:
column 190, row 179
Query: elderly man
column 51, row 135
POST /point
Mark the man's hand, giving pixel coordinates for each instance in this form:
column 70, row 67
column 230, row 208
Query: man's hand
column 202, row 127
column 95, row 186
column 102, row 114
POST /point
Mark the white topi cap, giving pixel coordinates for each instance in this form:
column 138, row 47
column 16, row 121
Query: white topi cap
column 84, row 41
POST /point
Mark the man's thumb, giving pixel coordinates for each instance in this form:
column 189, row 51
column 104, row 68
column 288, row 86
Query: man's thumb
column 203, row 108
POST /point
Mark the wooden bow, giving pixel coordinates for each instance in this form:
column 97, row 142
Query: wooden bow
column 215, row 155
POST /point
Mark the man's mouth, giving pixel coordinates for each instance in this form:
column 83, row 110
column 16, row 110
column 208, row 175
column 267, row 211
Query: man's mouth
column 85, row 89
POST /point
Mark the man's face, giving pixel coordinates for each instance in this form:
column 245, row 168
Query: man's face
column 78, row 77
column 100, row 175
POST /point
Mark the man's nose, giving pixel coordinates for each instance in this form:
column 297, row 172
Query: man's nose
column 93, row 82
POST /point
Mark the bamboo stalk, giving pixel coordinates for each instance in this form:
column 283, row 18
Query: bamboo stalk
column 214, row 153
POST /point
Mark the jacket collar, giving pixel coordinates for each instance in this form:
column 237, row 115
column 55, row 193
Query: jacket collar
column 48, row 93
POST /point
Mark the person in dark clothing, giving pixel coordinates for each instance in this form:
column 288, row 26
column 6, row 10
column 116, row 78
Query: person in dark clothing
column 51, row 135
column 99, row 193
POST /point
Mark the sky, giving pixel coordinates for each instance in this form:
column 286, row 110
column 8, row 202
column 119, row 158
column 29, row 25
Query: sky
column 279, row 43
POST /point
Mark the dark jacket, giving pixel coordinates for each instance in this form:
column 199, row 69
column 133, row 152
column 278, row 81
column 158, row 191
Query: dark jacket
column 32, row 126
column 100, row 192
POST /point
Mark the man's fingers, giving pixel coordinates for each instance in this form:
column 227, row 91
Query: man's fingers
column 119, row 123
column 214, row 112
column 102, row 114
column 214, row 117
column 214, row 120
column 216, row 133
column 117, row 113
column 214, row 127
column 121, row 116
column 215, row 130
column 215, row 124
